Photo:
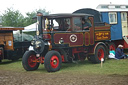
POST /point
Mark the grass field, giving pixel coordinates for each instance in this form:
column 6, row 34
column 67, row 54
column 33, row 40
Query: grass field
column 110, row 67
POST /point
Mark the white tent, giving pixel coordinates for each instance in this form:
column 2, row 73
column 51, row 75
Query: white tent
column 29, row 28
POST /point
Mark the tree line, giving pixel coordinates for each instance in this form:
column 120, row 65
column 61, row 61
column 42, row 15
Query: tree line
column 13, row 18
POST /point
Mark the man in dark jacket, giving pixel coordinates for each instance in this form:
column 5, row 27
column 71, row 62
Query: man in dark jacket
column 85, row 24
column 119, row 54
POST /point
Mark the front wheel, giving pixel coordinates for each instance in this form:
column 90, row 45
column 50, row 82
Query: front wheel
column 1, row 54
column 27, row 61
column 52, row 61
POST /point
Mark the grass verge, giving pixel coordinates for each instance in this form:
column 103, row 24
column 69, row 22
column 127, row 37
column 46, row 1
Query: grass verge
column 110, row 67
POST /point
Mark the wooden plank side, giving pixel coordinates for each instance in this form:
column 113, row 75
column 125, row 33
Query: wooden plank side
column 6, row 39
column 11, row 28
column 102, row 28
column 1, row 39
column 106, row 27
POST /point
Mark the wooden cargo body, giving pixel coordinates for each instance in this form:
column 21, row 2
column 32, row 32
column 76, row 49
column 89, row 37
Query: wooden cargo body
column 8, row 48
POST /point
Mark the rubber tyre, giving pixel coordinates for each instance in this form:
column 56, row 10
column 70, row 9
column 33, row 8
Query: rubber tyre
column 62, row 52
column 52, row 61
column 26, row 61
column 100, row 52
column 0, row 60
column 89, row 58
column 112, row 46
column 1, row 57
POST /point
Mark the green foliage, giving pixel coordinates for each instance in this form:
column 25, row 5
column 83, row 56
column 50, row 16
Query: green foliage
column 13, row 18
column 30, row 15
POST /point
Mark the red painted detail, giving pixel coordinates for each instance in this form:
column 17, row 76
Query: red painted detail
column 30, row 61
column 101, row 28
column 41, row 59
column 100, row 53
column 62, row 56
column 117, row 42
column 112, row 47
column 0, row 52
column 77, row 50
column 91, row 31
column 92, row 50
column 75, row 39
column 125, row 44
column 122, row 42
column 46, row 36
column 54, row 61
column 87, row 38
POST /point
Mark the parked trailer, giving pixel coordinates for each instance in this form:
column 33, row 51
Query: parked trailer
column 55, row 42
column 9, row 49
column 117, row 16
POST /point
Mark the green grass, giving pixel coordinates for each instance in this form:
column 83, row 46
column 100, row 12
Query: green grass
column 110, row 67
column 119, row 67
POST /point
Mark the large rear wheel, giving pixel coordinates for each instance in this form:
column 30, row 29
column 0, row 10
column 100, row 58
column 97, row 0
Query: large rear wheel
column 52, row 61
column 27, row 61
column 99, row 54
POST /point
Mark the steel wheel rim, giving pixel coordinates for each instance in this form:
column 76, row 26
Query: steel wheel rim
column 54, row 61
column 30, row 61
column 100, row 53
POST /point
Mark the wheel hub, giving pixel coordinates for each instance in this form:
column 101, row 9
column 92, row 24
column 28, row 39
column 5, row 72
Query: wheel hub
column 100, row 54
column 54, row 62
column 30, row 61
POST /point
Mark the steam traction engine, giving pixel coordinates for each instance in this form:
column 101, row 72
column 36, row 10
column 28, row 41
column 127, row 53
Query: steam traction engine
column 60, row 38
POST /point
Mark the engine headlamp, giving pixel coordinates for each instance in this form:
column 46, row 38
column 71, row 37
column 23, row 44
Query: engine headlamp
column 37, row 42
column 32, row 42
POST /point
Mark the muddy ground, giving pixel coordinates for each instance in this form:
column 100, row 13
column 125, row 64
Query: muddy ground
column 28, row 78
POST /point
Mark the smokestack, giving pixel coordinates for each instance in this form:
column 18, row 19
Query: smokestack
column 39, row 22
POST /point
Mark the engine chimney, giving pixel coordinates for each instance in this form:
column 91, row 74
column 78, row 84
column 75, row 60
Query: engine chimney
column 39, row 22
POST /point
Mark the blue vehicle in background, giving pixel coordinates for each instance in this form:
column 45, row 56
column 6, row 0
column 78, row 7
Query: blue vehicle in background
column 117, row 17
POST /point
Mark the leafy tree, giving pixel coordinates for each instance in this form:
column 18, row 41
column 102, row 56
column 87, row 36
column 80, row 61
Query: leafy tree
column 31, row 15
column 12, row 18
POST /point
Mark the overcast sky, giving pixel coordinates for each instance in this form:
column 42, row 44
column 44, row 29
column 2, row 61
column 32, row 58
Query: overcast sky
column 54, row 6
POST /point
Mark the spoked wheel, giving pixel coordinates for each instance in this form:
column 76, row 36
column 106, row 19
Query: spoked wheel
column 28, row 61
column 99, row 54
column 112, row 46
column 52, row 61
